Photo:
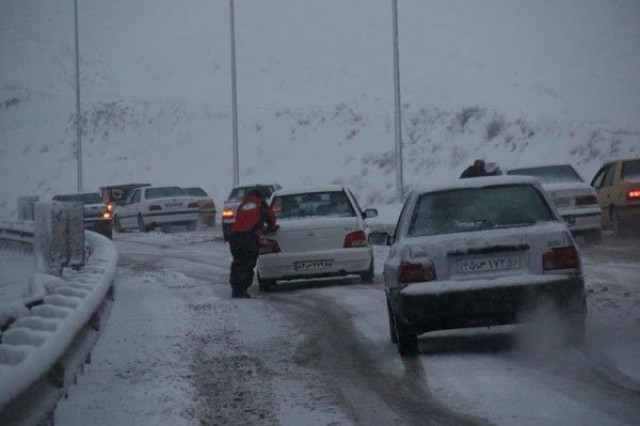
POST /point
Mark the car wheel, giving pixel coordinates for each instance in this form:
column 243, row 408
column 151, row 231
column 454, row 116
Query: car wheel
column 593, row 237
column 367, row 276
column 407, row 341
column 392, row 324
column 265, row 285
column 141, row 226
column 191, row 226
column 116, row 224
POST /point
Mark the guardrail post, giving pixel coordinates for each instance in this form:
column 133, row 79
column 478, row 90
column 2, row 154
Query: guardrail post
column 26, row 208
column 58, row 236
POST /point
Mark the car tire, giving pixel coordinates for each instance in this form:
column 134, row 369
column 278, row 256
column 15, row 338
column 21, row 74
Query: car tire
column 406, row 340
column 392, row 324
column 593, row 237
column 116, row 224
column 367, row 276
column 141, row 225
column 265, row 285
column 191, row 226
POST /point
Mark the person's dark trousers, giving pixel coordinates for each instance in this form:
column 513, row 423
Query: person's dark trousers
column 244, row 249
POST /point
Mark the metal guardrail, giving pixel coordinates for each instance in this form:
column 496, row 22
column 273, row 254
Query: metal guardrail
column 40, row 352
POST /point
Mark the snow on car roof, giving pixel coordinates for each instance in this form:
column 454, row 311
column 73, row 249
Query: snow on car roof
column 302, row 190
column 478, row 182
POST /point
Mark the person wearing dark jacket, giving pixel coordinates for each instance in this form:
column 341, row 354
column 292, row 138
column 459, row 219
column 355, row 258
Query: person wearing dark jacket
column 475, row 170
column 253, row 219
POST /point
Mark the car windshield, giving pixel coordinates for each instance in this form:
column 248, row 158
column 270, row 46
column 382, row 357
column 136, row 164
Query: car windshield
column 196, row 192
column 472, row 209
column 550, row 174
column 90, row 198
column 631, row 170
column 237, row 194
column 168, row 191
column 313, row 204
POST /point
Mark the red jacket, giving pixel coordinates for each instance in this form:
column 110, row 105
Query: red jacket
column 253, row 216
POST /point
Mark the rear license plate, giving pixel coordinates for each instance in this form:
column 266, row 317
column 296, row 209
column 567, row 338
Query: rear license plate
column 313, row 265
column 173, row 205
column 488, row 264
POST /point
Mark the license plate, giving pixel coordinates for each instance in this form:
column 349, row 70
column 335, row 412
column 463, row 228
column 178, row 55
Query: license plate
column 313, row 265
column 173, row 205
column 488, row 264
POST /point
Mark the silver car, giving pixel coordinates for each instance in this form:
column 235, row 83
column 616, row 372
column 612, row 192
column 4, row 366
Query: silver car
column 480, row 252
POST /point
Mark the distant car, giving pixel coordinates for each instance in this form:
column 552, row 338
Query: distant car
column 576, row 201
column 148, row 207
column 618, row 186
column 98, row 216
column 235, row 197
column 322, row 233
column 480, row 252
column 116, row 194
column 206, row 205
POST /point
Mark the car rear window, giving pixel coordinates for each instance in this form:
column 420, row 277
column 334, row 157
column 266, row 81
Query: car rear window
column 237, row 194
column 89, row 198
column 196, row 192
column 313, row 204
column 472, row 209
column 550, row 174
column 169, row 191
column 631, row 170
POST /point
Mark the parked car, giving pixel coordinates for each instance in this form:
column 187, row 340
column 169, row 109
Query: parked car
column 235, row 197
column 618, row 187
column 98, row 216
column 206, row 205
column 116, row 194
column 150, row 206
column 322, row 233
column 480, row 252
column 576, row 201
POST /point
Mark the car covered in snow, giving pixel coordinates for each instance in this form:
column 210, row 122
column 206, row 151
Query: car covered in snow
column 576, row 200
column 235, row 197
column 148, row 207
column 618, row 186
column 480, row 252
column 98, row 215
column 322, row 233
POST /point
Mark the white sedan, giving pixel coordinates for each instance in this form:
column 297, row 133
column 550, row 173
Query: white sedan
column 322, row 233
column 151, row 206
column 576, row 201
column 480, row 252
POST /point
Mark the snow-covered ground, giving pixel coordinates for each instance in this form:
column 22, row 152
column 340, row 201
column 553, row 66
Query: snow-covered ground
column 178, row 350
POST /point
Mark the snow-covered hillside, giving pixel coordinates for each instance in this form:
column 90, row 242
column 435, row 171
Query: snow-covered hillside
column 514, row 82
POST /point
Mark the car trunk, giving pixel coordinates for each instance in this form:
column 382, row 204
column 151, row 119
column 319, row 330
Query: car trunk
column 314, row 234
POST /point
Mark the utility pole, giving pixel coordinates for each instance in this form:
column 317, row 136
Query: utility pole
column 234, row 95
column 398, row 111
column 78, row 112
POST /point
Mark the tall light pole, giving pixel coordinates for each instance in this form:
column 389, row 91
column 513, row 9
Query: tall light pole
column 78, row 112
column 398, row 111
column 234, row 95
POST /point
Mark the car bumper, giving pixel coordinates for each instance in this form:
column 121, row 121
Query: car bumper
column 582, row 219
column 170, row 217
column 279, row 266
column 459, row 304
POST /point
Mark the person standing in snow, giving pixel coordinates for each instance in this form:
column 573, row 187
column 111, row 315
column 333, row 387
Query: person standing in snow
column 475, row 170
column 253, row 219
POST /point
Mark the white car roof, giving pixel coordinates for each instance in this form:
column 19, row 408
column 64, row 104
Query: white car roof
column 303, row 190
column 479, row 182
column 539, row 166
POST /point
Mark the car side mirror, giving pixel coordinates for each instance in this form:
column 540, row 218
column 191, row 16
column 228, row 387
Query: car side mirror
column 369, row 213
column 379, row 239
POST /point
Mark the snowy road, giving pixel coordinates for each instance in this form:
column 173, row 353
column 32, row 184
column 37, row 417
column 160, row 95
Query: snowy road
column 178, row 351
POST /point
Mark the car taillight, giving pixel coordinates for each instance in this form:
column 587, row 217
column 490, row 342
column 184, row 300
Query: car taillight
column 193, row 205
column 561, row 258
column 108, row 212
column 228, row 214
column 633, row 195
column 586, row 200
column 268, row 246
column 410, row 272
column 154, row 207
column 355, row 239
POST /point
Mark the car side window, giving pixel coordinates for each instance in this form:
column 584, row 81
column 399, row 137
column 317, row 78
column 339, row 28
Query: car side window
column 608, row 179
column 599, row 177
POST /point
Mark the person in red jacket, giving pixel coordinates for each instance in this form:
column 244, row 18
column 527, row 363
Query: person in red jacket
column 253, row 219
